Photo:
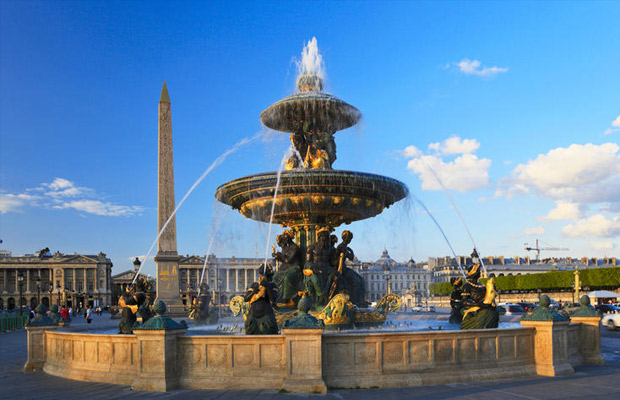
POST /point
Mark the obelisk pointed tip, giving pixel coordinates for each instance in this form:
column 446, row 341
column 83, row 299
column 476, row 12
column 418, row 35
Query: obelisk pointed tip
column 164, row 98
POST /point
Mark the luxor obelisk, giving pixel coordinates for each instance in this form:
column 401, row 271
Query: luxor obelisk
column 167, row 258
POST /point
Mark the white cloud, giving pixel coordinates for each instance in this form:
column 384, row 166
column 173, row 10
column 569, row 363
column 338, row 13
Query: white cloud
column 411, row 152
column 15, row 202
column 563, row 211
column 466, row 172
column 603, row 245
column 580, row 174
column 455, row 145
column 597, row 225
column 474, row 67
column 537, row 230
column 100, row 208
column 54, row 195
column 61, row 187
column 615, row 126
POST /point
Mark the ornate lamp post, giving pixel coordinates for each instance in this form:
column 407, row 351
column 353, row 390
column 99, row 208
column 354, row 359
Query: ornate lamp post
column 20, row 282
column 219, row 296
column 39, row 289
column 50, row 289
column 386, row 274
column 58, row 299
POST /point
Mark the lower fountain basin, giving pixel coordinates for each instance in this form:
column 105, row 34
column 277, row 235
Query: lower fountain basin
column 305, row 197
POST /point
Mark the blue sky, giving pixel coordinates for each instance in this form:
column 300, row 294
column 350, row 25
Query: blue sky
column 514, row 105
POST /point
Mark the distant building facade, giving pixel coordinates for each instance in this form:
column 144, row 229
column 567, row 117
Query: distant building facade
column 402, row 279
column 226, row 277
column 444, row 268
column 72, row 279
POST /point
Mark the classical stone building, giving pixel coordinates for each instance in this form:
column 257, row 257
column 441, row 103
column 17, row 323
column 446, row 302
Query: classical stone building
column 226, row 277
column 444, row 268
column 123, row 281
column 401, row 278
column 72, row 279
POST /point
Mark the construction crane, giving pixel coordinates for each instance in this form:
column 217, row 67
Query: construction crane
column 537, row 249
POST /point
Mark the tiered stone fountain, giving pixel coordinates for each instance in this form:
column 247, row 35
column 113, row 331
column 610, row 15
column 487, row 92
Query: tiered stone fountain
column 311, row 195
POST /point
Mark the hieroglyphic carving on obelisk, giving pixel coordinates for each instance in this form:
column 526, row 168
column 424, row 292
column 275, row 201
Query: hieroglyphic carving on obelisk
column 167, row 258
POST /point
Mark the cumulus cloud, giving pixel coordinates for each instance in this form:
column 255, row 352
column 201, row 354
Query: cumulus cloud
column 603, row 245
column 563, row 211
column 597, row 225
column 537, row 230
column 580, row 174
column 455, row 145
column 474, row 67
column 63, row 194
column 464, row 173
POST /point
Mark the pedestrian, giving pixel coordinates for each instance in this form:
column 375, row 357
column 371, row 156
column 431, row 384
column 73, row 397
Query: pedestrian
column 88, row 315
column 71, row 311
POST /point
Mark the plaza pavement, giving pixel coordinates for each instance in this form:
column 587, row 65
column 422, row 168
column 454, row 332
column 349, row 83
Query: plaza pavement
column 588, row 382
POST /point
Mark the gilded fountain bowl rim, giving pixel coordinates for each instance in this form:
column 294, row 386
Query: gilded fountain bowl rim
column 342, row 114
column 329, row 197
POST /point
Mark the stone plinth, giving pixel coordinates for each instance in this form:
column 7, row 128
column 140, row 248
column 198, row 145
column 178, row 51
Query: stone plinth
column 157, row 360
column 37, row 349
column 551, row 347
column 304, row 364
column 589, row 339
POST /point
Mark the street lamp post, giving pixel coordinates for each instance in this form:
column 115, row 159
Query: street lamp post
column 58, row 299
column 219, row 296
column 39, row 289
column 20, row 282
column 386, row 274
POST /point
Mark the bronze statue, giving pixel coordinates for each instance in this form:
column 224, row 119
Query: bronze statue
column 319, row 268
column 456, row 301
column 479, row 311
column 347, row 279
column 200, row 311
column 261, row 296
column 134, row 302
column 289, row 277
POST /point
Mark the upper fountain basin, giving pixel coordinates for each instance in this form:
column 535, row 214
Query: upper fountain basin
column 312, row 197
column 326, row 113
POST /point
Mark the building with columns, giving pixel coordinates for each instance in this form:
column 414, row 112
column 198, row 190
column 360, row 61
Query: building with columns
column 389, row 276
column 226, row 277
column 72, row 279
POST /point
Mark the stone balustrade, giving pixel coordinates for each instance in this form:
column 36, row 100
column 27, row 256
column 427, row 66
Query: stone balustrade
column 311, row 360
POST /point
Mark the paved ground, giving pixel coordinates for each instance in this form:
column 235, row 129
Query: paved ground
column 588, row 382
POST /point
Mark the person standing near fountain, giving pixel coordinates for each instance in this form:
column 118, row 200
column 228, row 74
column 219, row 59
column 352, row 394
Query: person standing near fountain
column 289, row 277
column 261, row 296
column 319, row 268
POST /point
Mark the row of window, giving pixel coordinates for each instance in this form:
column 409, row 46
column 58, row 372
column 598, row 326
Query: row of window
column 400, row 277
